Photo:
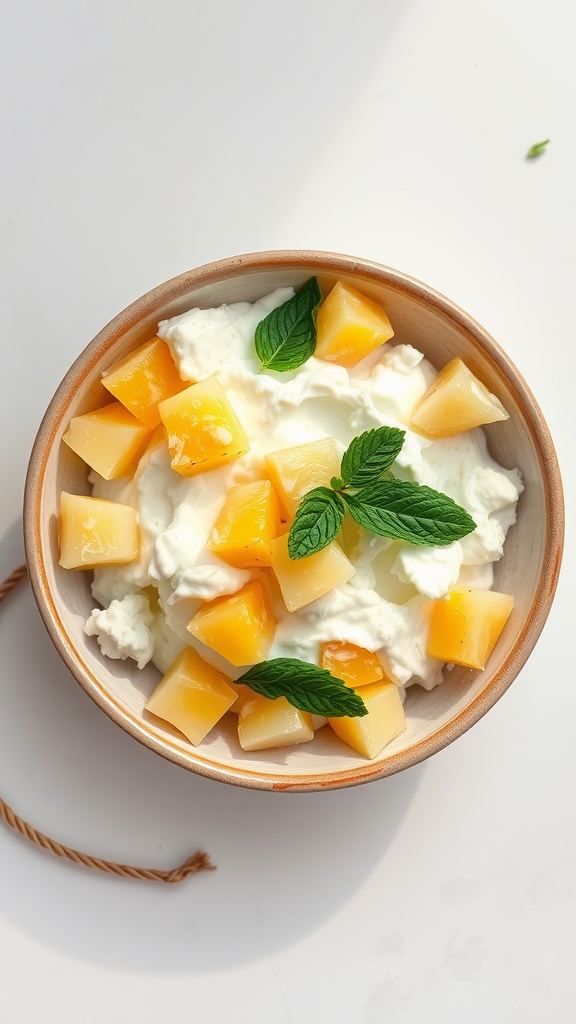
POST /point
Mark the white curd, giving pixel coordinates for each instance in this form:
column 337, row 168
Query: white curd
column 384, row 607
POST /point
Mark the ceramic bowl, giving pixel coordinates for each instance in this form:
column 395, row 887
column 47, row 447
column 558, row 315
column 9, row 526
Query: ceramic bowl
column 528, row 571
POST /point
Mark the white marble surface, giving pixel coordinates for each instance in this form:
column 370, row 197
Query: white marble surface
column 141, row 139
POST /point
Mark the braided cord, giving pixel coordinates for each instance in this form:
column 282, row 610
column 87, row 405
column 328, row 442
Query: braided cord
column 197, row 862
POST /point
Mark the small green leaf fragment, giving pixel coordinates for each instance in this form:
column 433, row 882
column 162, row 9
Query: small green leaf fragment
column 307, row 687
column 537, row 149
column 336, row 483
column 317, row 522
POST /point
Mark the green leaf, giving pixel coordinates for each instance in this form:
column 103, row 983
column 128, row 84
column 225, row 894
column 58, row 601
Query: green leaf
column 317, row 521
column 409, row 512
column 537, row 149
column 286, row 338
column 307, row 687
column 370, row 455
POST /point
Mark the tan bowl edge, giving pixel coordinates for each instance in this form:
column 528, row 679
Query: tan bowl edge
column 336, row 264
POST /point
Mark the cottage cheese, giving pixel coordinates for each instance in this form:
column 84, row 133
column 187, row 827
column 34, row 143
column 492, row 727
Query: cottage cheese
column 384, row 607
column 124, row 629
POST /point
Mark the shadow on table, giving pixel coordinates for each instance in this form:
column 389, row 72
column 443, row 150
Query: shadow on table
column 287, row 863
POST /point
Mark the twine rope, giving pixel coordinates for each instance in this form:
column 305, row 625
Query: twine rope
column 199, row 861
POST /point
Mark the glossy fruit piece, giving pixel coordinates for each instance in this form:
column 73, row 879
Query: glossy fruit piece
column 248, row 521
column 193, row 696
column 264, row 723
column 240, row 627
column 202, row 428
column 385, row 720
column 354, row 665
column 144, row 378
column 454, row 402
column 243, row 693
column 157, row 439
column 350, row 326
column 295, row 471
column 95, row 532
column 110, row 440
column 465, row 626
column 306, row 579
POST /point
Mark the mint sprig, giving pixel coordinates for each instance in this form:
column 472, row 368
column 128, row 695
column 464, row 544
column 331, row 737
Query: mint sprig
column 286, row 338
column 307, row 687
column 317, row 522
column 370, row 455
column 398, row 509
column 409, row 512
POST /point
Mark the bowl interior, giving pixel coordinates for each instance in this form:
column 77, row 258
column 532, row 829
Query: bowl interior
column 528, row 570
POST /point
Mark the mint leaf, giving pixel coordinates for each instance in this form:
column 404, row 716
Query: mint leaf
column 537, row 149
column 317, row 521
column 286, row 338
column 307, row 687
column 370, row 455
column 409, row 512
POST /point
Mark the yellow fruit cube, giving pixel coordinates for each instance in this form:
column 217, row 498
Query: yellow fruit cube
column 295, row 471
column 305, row 579
column 157, row 439
column 465, row 625
column 110, row 440
column 202, row 428
column 350, row 326
column 383, row 723
column 454, row 402
column 354, row 665
column 248, row 521
column 95, row 532
column 144, row 378
column 192, row 696
column 264, row 723
column 243, row 693
column 240, row 627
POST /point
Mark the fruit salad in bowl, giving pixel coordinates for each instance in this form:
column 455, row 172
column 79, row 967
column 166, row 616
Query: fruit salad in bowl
column 276, row 513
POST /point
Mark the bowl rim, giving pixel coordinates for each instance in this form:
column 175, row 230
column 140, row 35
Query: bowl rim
column 320, row 262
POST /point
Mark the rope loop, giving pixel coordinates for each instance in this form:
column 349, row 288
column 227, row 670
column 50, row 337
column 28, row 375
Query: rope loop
column 199, row 861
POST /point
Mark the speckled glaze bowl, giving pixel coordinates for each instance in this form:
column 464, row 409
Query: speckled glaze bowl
column 528, row 571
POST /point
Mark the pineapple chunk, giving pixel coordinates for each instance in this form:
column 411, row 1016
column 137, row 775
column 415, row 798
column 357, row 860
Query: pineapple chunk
column 243, row 693
column 240, row 627
column 111, row 440
column 264, row 723
column 248, row 521
column 192, row 696
column 295, row 471
column 383, row 723
column 350, row 326
column 305, row 579
column 353, row 665
column 157, row 439
column 454, row 402
column 95, row 532
column 465, row 625
column 144, row 378
column 203, row 429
